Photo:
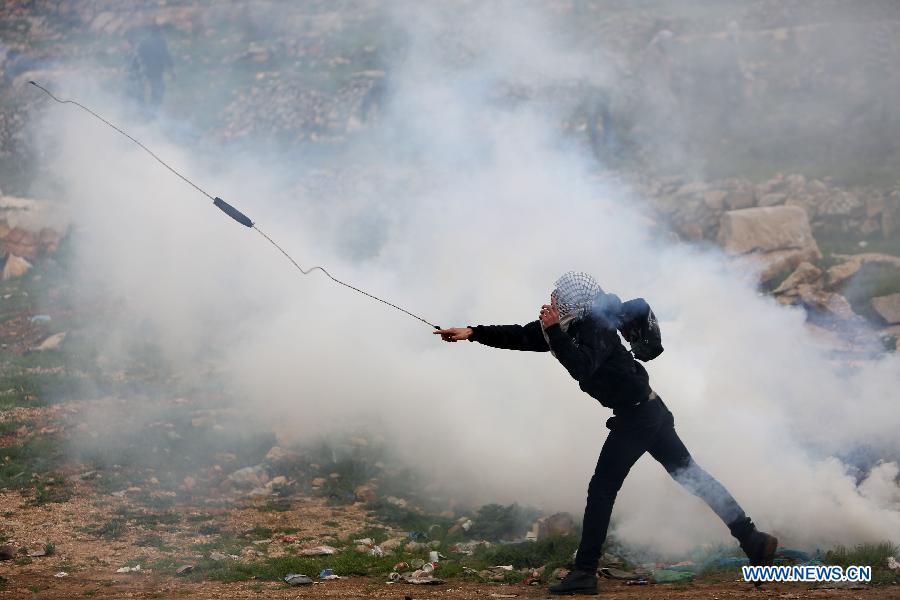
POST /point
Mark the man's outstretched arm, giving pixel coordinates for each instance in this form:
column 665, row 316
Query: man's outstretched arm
column 507, row 337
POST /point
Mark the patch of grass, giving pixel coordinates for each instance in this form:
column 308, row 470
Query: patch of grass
column 405, row 518
column 49, row 549
column 496, row 522
column 110, row 530
column 278, row 505
column 554, row 552
column 259, row 533
column 209, row 529
column 152, row 540
column 226, row 543
column 10, row 427
column 379, row 534
column 32, row 465
column 349, row 562
column 874, row 555
column 199, row 518
column 148, row 519
column 54, row 488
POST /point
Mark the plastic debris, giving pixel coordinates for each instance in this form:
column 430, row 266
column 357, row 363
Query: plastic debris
column 328, row 574
column 420, row 578
column 40, row 319
column 892, row 564
column 184, row 569
column 376, row 551
column 434, row 556
column 671, row 576
column 534, row 578
column 417, row 535
column 61, row 574
column 638, row 581
column 395, row 576
column 297, row 579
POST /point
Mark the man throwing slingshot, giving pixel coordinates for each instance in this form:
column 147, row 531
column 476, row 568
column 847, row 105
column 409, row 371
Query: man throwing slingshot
column 580, row 328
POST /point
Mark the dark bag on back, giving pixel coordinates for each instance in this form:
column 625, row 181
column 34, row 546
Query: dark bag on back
column 639, row 326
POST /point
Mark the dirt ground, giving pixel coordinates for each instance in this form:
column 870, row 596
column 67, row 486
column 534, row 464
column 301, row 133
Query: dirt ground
column 152, row 585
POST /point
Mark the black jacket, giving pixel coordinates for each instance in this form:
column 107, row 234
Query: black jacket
column 590, row 350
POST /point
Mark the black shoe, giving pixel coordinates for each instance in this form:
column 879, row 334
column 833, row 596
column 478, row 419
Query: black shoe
column 577, row 581
column 760, row 548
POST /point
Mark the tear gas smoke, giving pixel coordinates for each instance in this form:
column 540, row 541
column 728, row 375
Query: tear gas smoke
column 469, row 209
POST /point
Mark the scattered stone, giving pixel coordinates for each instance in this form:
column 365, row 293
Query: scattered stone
column 297, row 579
column 365, row 493
column 7, row 552
column 740, row 199
column 715, row 199
column 804, row 273
column 318, row 551
column 892, row 564
column 614, row 573
column 838, row 274
column 248, row 477
column 827, row 303
column 184, row 570
column 888, row 308
column 61, row 574
column 14, row 266
column 769, row 239
column 51, row 343
column 556, row 524
column 318, row 482
column 772, row 199
column 277, row 455
column 392, row 544
column 218, row 556
column 134, row 569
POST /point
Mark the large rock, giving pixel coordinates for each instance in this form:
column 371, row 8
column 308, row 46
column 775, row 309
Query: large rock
column 14, row 266
column 769, row 239
column 805, row 273
column 888, row 308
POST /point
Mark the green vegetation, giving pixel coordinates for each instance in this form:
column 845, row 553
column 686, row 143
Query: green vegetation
column 874, row 555
column 32, row 466
column 110, row 530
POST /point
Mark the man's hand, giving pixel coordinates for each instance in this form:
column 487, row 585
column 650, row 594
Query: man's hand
column 454, row 334
column 549, row 314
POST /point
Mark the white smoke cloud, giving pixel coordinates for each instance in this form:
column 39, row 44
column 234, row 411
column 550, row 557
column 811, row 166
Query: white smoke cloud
column 487, row 206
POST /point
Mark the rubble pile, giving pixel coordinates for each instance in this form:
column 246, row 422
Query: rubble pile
column 696, row 208
column 26, row 234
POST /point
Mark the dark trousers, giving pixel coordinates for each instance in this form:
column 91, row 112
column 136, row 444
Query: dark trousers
column 647, row 428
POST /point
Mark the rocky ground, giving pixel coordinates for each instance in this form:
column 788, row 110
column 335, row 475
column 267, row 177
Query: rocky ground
column 83, row 506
